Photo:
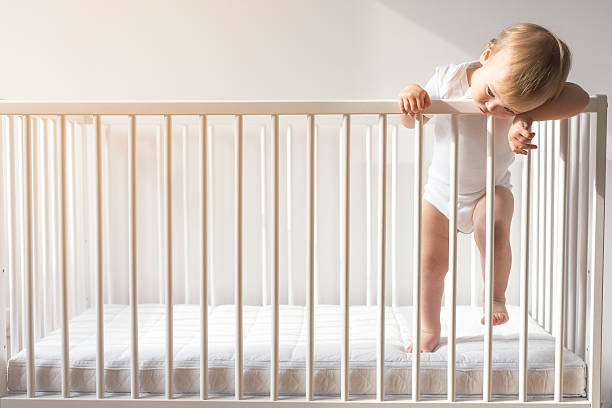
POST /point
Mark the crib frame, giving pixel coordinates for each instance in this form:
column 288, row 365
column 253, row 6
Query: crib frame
column 61, row 110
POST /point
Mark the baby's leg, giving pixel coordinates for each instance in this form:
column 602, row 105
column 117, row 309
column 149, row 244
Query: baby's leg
column 434, row 266
column 502, row 259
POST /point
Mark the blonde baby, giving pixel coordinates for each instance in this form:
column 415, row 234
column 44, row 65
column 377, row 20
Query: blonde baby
column 519, row 78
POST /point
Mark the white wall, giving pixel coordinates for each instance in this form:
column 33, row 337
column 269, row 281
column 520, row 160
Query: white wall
column 274, row 50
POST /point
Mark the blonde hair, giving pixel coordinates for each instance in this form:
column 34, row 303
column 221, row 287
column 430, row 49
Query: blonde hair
column 540, row 65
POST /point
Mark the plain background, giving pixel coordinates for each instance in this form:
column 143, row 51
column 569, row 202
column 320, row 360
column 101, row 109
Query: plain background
column 261, row 50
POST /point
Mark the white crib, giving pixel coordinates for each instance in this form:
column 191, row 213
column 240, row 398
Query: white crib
column 89, row 308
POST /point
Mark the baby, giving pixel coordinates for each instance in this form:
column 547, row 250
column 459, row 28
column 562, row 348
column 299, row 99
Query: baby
column 519, row 78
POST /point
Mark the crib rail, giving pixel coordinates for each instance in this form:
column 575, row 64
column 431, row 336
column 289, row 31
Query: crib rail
column 561, row 311
column 221, row 107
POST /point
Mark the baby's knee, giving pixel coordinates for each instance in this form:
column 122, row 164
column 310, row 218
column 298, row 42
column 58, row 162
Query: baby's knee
column 501, row 232
column 435, row 264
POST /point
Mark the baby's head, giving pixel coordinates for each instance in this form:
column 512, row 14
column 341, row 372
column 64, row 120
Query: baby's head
column 523, row 68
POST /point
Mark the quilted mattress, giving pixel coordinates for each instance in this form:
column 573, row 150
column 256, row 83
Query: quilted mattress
column 293, row 324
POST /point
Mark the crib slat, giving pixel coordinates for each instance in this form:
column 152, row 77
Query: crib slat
column 63, row 270
column 550, row 224
column 211, row 214
column 263, row 191
column 99, row 270
column 395, row 287
column 554, row 134
column 571, row 258
column 10, row 195
column 53, row 203
column 381, row 273
column 38, row 272
column 560, row 275
column 33, row 189
column 368, row 219
column 452, row 244
column 106, row 211
column 238, row 146
column 315, row 215
column 160, row 210
column 344, row 293
column 524, row 295
column 291, row 287
column 276, row 262
column 168, row 259
column 21, row 226
column 490, row 234
column 28, row 267
column 416, row 270
column 40, row 146
column 50, row 216
column 542, row 163
column 133, row 279
column 185, row 182
column 312, row 138
column 51, row 180
column 75, row 256
column 204, row 262
column 583, row 233
column 534, row 213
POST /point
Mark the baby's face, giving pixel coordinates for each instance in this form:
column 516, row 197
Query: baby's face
column 483, row 90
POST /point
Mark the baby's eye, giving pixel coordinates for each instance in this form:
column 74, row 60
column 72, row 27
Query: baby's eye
column 508, row 110
column 490, row 93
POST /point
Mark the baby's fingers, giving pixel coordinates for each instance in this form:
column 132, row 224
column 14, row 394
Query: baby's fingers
column 400, row 104
column 524, row 148
column 422, row 101
column 427, row 101
column 404, row 105
column 522, row 137
column 527, row 134
column 413, row 105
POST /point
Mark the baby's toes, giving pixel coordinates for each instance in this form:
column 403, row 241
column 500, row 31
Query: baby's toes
column 500, row 318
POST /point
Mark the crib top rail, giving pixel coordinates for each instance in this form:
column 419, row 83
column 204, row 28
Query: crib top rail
column 196, row 107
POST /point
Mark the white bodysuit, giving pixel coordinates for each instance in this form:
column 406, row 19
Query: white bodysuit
column 450, row 82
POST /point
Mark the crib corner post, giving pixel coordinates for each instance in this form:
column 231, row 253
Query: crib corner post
column 3, row 331
column 597, row 255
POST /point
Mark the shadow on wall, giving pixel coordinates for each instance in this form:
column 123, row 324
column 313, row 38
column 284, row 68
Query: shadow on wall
column 456, row 22
column 469, row 25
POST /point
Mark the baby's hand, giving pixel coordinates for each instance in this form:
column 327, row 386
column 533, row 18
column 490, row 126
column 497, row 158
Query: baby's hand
column 413, row 100
column 519, row 135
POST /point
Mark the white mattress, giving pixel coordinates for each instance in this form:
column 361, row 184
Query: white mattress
column 257, row 346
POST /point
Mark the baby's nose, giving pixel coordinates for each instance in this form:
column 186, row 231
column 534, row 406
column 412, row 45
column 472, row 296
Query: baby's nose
column 491, row 106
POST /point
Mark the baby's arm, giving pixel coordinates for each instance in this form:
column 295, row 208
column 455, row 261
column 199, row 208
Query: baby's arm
column 571, row 101
column 413, row 100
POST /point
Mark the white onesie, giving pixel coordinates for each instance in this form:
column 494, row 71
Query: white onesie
column 450, row 82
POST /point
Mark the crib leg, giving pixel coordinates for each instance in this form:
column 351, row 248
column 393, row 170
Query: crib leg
column 3, row 331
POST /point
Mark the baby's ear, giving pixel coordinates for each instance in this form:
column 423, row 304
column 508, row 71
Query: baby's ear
column 486, row 54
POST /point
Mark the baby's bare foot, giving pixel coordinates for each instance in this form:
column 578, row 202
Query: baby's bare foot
column 430, row 339
column 500, row 314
